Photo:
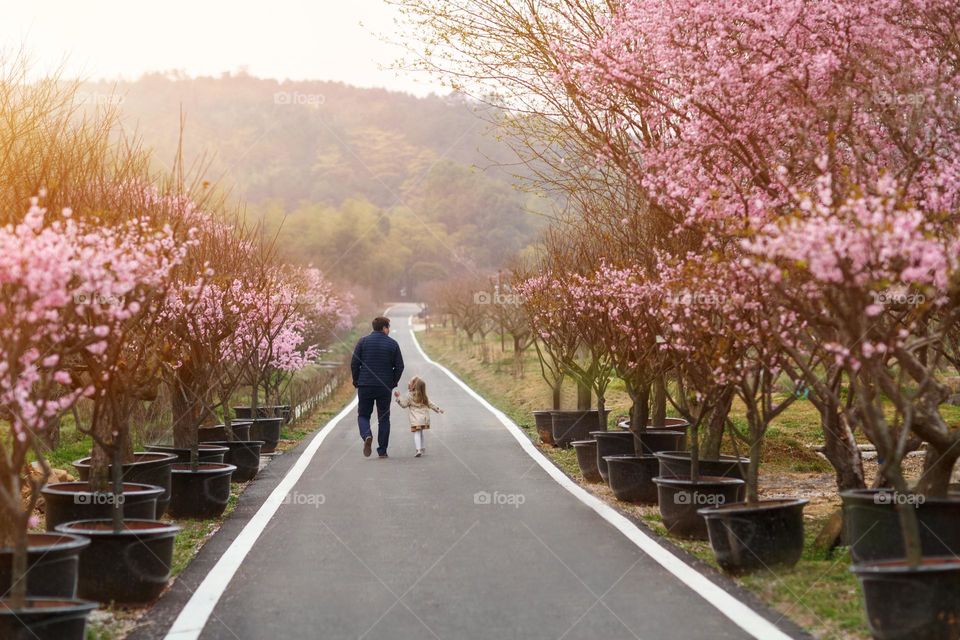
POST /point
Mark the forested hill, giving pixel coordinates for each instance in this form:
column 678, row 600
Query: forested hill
column 344, row 172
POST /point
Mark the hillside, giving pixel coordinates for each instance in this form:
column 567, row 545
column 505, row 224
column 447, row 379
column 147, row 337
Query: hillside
column 342, row 171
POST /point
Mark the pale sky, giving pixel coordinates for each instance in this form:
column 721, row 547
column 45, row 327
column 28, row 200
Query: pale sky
column 283, row 39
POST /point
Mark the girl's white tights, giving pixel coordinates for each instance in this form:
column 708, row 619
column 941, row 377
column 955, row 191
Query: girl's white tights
column 418, row 439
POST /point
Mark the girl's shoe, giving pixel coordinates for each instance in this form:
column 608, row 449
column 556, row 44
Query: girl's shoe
column 419, row 453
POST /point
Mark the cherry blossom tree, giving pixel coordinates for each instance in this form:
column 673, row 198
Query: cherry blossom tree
column 827, row 126
column 61, row 283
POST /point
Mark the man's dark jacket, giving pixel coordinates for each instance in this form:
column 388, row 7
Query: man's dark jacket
column 376, row 361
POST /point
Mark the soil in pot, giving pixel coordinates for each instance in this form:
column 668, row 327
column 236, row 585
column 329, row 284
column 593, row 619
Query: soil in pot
column 587, row 459
column 568, row 426
column 52, row 563
column 612, row 443
column 267, row 430
column 129, row 567
column 631, row 478
column 45, row 619
column 650, row 442
column 147, row 468
column 676, row 464
column 907, row 603
column 669, row 423
column 681, row 498
column 544, row 423
column 205, row 452
column 245, row 456
column 202, row 492
column 871, row 525
column 749, row 538
column 69, row 501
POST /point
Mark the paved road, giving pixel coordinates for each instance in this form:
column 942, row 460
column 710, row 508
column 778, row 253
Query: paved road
column 399, row 549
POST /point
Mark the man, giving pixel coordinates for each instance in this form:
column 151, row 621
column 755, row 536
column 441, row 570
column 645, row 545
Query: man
column 376, row 367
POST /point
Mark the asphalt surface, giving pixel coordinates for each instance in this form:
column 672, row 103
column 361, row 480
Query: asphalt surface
column 473, row 540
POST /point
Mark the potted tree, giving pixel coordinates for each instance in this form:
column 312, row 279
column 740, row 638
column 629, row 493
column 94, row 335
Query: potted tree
column 702, row 363
column 41, row 333
column 838, row 189
column 128, row 559
column 754, row 534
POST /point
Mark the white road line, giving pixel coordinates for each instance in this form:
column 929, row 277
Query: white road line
column 193, row 617
column 738, row 612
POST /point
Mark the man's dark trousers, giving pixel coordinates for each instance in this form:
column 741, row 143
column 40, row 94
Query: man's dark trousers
column 367, row 397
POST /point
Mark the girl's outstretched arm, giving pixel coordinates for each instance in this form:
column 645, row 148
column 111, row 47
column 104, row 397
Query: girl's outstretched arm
column 436, row 408
column 403, row 402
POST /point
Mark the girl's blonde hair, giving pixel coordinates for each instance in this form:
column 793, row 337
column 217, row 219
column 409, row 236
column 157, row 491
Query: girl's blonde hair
column 419, row 392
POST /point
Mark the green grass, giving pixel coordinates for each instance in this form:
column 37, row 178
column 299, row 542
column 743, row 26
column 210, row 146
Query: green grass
column 819, row 593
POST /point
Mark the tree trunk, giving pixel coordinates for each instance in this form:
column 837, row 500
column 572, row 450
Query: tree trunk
column 937, row 469
column 584, row 396
column 184, row 416
column 556, row 396
column 659, row 401
column 18, row 573
column 51, row 435
column 640, row 410
column 840, row 448
column 713, row 440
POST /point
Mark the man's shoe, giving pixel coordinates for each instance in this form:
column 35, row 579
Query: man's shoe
column 383, row 455
column 367, row 446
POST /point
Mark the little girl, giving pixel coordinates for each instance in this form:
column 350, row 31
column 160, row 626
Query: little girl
column 418, row 406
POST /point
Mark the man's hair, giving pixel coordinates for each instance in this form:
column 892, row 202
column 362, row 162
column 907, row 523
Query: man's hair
column 380, row 322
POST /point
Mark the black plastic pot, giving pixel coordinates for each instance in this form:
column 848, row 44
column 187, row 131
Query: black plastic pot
column 52, row 561
column 763, row 536
column 200, row 493
column 45, row 619
column 69, row 501
column 267, row 411
column 147, row 468
column 631, row 478
column 568, row 426
column 871, row 525
column 612, row 443
column 587, row 459
column 218, row 432
column 676, row 464
column 544, row 423
column 245, row 456
column 681, row 498
column 907, row 603
column 205, row 452
column 132, row 566
column 653, row 441
column 267, row 430
column 286, row 412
